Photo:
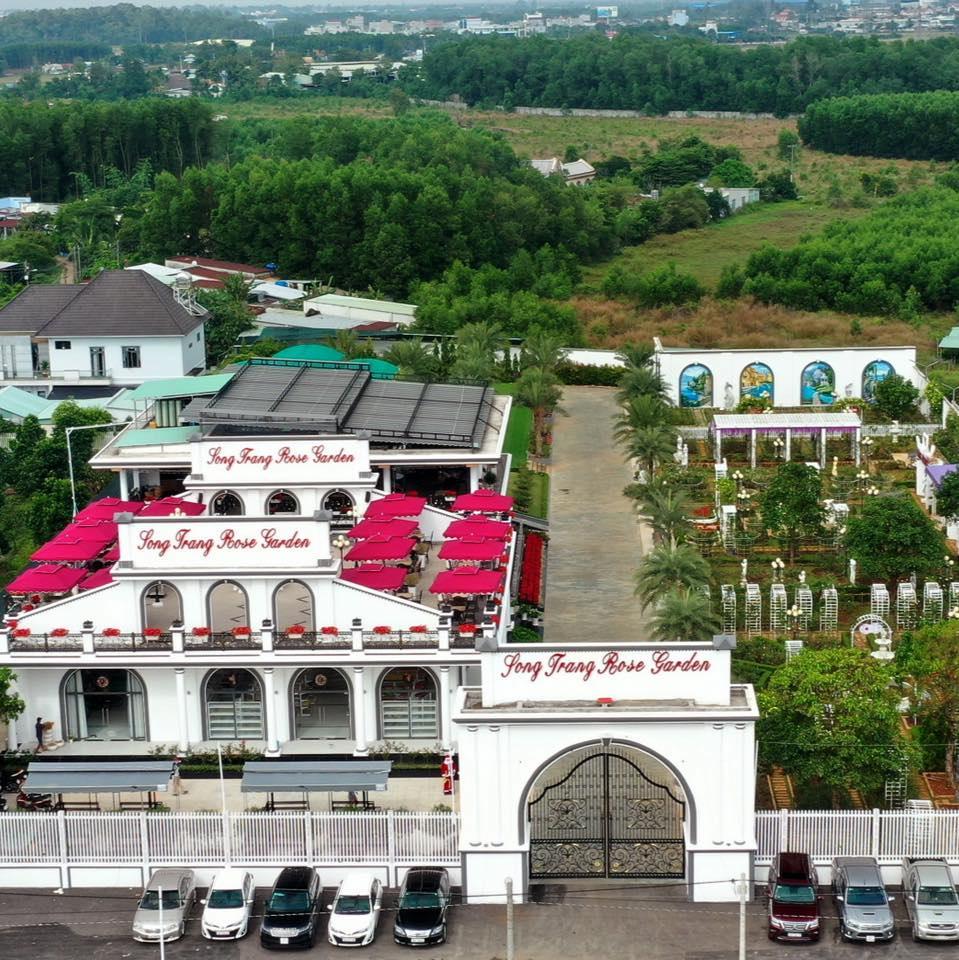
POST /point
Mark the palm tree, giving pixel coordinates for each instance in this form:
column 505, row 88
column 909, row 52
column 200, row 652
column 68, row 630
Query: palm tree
column 640, row 382
column 477, row 346
column 636, row 354
column 348, row 343
column 413, row 359
column 669, row 568
column 539, row 390
column 684, row 614
column 638, row 413
column 651, row 446
column 542, row 349
column 667, row 512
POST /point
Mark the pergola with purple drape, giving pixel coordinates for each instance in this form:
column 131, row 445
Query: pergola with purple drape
column 819, row 426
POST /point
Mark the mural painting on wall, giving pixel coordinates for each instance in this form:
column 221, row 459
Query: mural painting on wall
column 756, row 382
column 696, row 386
column 818, row 384
column 872, row 376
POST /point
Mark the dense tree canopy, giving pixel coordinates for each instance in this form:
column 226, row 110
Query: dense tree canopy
column 640, row 71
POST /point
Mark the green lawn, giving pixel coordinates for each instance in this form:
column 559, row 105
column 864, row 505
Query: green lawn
column 704, row 253
column 539, row 502
column 518, row 432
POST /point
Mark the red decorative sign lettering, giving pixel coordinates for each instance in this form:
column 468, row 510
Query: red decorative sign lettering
column 285, row 456
column 609, row 665
column 185, row 540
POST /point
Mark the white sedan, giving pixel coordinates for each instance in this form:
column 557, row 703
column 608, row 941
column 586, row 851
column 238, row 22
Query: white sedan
column 228, row 905
column 355, row 911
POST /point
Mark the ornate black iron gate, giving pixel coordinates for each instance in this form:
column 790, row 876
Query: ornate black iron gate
column 601, row 815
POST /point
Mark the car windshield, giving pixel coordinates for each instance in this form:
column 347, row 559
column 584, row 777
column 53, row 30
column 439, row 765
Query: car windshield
column 226, row 899
column 866, row 896
column 792, row 893
column 348, row 904
column 151, row 901
column 420, row 901
column 937, row 896
column 290, row 901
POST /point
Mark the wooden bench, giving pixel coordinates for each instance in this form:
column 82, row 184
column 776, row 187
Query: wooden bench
column 77, row 805
column 365, row 805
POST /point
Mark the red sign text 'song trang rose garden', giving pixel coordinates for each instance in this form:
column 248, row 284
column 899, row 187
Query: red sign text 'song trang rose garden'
column 637, row 673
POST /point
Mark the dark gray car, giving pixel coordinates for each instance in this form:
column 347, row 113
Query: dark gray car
column 861, row 900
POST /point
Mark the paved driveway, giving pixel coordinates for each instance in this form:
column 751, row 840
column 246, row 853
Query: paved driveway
column 587, row 924
column 595, row 540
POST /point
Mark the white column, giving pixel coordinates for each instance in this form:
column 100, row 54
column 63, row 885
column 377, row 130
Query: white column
column 752, row 448
column 387, row 478
column 136, row 478
column 272, row 744
column 124, row 486
column 857, row 445
column 183, row 733
column 719, row 445
column 361, row 748
column 822, row 448
column 446, row 707
column 475, row 473
column 789, row 438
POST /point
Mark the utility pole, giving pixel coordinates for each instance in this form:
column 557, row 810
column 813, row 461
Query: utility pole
column 160, row 921
column 510, row 951
column 743, row 890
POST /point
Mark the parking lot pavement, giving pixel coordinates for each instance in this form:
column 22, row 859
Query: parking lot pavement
column 578, row 925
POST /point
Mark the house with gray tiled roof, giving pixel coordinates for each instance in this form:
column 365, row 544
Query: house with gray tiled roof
column 123, row 327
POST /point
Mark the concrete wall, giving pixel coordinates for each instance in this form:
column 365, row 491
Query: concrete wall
column 159, row 357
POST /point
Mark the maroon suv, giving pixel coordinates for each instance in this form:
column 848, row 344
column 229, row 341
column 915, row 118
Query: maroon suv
column 793, row 898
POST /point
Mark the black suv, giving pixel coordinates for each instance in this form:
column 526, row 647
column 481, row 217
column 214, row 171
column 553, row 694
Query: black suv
column 291, row 913
column 421, row 914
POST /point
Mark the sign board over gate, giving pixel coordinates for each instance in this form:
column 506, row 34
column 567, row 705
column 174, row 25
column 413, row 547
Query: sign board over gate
column 694, row 671
column 241, row 543
column 283, row 461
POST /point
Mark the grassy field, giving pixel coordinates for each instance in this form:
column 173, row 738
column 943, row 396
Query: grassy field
column 518, row 432
column 704, row 253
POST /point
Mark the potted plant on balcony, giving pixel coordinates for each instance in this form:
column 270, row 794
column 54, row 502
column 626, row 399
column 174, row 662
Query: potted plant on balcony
column 153, row 632
column 297, row 630
column 59, row 632
column 241, row 633
column 330, row 631
column 21, row 633
column 467, row 629
column 200, row 631
column 419, row 628
column 111, row 631
column 382, row 631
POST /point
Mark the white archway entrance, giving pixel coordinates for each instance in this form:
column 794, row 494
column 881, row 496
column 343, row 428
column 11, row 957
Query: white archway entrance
column 606, row 810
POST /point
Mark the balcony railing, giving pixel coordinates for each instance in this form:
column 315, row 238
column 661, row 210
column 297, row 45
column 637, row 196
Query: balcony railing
column 312, row 640
column 132, row 641
column 221, row 641
column 45, row 642
column 400, row 639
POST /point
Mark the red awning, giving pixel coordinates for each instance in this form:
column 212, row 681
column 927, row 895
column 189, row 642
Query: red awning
column 483, row 501
column 385, row 578
column 476, row 550
column 171, row 505
column 97, row 531
column 386, row 527
column 382, row 548
column 476, row 525
column 99, row 578
column 467, row 580
column 67, row 550
column 106, row 508
column 395, row 505
column 47, row 578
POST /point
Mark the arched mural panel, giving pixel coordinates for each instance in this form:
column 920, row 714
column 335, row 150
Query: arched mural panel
column 817, row 386
column 696, row 386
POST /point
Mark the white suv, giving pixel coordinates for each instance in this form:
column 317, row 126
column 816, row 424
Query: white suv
column 355, row 911
column 228, row 905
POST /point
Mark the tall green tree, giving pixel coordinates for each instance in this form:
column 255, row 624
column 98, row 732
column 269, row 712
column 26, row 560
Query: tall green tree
column 11, row 704
column 684, row 615
column 666, row 568
column 539, row 390
column 832, row 716
column 791, row 506
column 666, row 509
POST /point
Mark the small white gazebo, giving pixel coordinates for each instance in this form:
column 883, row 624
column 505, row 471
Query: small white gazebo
column 787, row 425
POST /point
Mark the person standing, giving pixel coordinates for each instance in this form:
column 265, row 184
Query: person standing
column 39, row 732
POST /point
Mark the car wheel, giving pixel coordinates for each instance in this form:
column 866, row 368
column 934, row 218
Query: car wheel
column 842, row 931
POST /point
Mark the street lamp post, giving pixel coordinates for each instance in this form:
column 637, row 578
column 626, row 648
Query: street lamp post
column 341, row 543
column 71, row 430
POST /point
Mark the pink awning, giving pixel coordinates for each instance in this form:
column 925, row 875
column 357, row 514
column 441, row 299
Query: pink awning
column 483, row 501
column 476, row 550
column 99, row 578
column 97, row 531
column 386, row 527
column 67, row 550
column 171, row 505
column 47, row 578
column 467, row 580
column 476, row 525
column 395, row 505
column 106, row 508
column 382, row 548
column 386, row 578
column 112, row 555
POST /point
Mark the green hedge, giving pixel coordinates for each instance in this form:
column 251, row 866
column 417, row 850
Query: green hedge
column 588, row 375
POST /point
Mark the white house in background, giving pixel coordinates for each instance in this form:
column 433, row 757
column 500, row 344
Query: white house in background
column 736, row 197
column 124, row 327
column 338, row 311
column 576, row 172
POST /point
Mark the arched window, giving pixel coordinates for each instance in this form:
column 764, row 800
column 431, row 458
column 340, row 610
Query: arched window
column 162, row 606
column 408, row 706
column 340, row 504
column 233, row 702
column 817, row 385
column 104, row 705
column 227, row 607
column 226, row 504
column 756, row 382
column 282, row 501
column 321, row 705
column 293, row 606
column 873, row 375
column 696, row 386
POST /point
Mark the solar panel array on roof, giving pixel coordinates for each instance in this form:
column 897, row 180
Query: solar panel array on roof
column 265, row 397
